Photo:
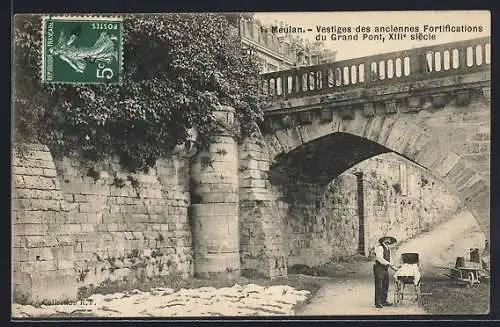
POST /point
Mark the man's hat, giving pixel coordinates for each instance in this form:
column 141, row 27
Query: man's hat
column 390, row 239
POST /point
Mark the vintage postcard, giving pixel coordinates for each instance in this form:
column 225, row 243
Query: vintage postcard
column 251, row 164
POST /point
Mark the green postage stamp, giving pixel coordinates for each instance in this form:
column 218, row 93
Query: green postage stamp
column 82, row 49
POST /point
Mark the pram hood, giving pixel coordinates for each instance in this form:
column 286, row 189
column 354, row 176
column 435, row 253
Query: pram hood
column 410, row 258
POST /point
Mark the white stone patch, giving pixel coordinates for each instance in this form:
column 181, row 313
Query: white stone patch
column 247, row 300
column 253, row 288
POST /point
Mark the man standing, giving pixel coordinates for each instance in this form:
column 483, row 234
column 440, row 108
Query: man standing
column 380, row 270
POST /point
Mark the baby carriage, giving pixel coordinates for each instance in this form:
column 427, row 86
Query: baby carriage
column 408, row 274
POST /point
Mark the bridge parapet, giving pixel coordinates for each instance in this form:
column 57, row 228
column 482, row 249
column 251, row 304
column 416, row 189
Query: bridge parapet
column 437, row 61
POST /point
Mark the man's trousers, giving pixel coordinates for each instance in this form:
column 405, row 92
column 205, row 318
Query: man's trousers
column 381, row 279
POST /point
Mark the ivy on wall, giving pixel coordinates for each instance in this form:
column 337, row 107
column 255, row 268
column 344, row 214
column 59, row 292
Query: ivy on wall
column 178, row 68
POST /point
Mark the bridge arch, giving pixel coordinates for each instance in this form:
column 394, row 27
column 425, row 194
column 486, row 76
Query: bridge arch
column 398, row 134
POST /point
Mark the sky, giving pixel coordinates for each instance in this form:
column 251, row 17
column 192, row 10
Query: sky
column 353, row 49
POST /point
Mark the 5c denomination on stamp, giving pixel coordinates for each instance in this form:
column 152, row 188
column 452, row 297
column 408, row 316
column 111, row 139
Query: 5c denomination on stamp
column 82, row 50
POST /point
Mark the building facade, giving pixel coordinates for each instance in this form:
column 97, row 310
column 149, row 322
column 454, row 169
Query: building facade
column 279, row 51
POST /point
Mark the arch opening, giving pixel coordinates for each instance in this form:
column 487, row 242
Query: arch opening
column 312, row 162
column 333, row 206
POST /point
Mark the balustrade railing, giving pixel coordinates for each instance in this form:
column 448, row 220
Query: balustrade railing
column 415, row 64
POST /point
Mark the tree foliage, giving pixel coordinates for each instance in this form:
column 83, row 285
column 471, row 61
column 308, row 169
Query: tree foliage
column 178, row 68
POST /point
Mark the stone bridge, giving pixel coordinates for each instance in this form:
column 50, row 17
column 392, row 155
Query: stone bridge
column 430, row 105
column 224, row 210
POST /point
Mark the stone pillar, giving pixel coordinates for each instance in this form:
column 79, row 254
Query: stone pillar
column 215, row 203
column 363, row 245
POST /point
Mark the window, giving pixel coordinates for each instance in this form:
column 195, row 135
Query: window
column 314, row 60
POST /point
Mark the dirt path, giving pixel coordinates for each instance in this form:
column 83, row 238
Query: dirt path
column 354, row 295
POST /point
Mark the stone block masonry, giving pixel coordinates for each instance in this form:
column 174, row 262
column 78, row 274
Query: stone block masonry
column 261, row 224
column 127, row 225
column 447, row 132
column 321, row 222
column 402, row 199
column 215, row 201
column 218, row 214
column 398, row 199
column 40, row 253
column 80, row 223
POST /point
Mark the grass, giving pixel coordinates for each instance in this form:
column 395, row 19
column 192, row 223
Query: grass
column 340, row 267
column 143, row 284
column 450, row 298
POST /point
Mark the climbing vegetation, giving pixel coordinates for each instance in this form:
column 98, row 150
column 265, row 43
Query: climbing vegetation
column 178, row 68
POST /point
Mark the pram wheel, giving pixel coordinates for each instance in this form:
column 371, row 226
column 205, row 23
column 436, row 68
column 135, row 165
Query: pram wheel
column 471, row 279
column 417, row 291
column 400, row 288
column 398, row 293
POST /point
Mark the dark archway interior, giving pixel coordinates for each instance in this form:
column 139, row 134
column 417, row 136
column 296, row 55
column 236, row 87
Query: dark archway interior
column 322, row 160
column 326, row 217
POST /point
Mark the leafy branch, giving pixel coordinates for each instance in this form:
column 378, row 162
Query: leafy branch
column 170, row 84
